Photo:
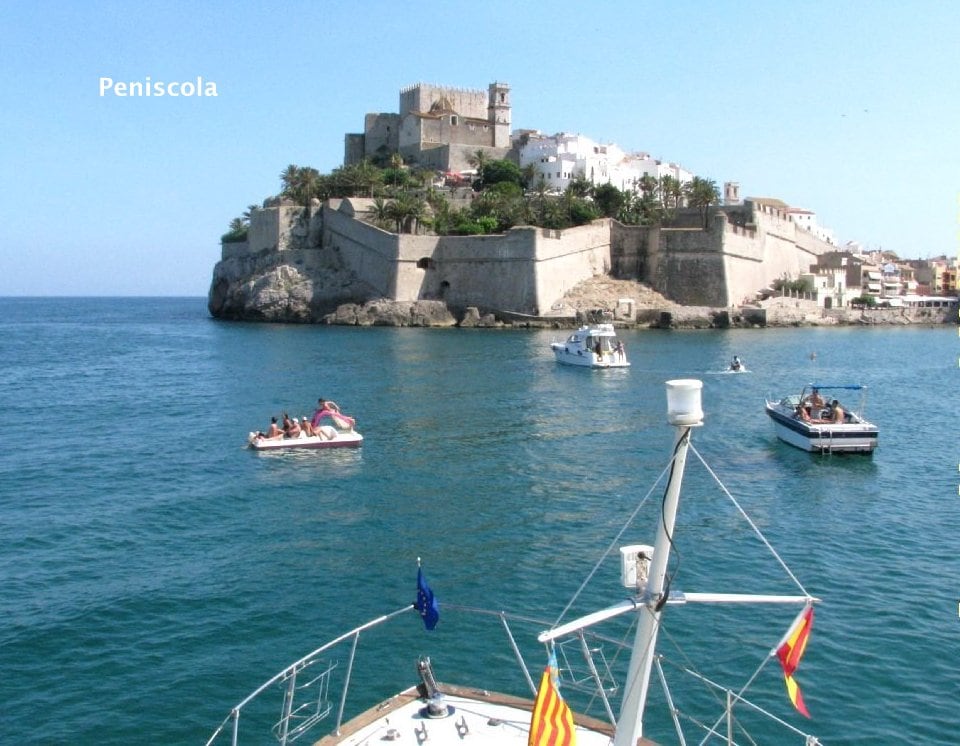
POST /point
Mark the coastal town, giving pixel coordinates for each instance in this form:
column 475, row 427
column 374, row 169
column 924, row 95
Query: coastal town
column 444, row 209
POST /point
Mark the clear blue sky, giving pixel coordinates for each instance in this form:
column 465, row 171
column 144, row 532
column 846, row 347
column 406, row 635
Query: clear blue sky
column 848, row 109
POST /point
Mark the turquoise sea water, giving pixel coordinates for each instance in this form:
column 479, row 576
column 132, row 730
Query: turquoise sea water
column 154, row 570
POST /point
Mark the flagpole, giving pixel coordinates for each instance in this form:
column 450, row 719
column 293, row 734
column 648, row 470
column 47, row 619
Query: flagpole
column 683, row 412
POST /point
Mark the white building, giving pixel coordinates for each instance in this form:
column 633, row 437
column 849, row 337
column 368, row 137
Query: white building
column 807, row 219
column 829, row 286
column 561, row 158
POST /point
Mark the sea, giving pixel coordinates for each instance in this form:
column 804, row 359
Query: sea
column 154, row 570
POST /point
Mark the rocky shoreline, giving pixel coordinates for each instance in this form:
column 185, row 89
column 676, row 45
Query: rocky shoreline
column 624, row 303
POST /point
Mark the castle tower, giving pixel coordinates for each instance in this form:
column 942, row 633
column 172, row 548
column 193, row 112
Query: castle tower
column 731, row 193
column 498, row 114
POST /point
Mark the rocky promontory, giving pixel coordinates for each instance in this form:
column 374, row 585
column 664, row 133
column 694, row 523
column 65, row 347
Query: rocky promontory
column 299, row 291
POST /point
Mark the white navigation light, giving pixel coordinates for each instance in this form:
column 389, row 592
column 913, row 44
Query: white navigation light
column 683, row 402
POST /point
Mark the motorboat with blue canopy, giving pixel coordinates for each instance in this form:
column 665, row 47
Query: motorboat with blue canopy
column 816, row 420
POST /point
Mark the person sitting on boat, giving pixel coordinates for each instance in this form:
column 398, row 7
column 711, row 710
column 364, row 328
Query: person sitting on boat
column 814, row 401
column 802, row 413
column 836, row 412
column 307, row 427
column 273, row 432
column 293, row 430
column 736, row 364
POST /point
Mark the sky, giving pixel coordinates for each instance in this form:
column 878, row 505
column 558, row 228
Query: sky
column 851, row 110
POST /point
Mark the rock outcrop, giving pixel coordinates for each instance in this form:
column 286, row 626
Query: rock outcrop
column 392, row 313
column 299, row 286
column 309, row 287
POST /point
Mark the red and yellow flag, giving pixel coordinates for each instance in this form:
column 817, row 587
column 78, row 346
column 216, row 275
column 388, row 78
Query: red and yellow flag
column 791, row 651
column 552, row 721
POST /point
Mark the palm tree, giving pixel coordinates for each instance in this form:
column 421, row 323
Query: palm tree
column 580, row 187
column 648, row 185
column 236, row 233
column 396, row 163
column 406, row 211
column 304, row 186
column 540, row 190
column 288, row 178
column 479, row 160
column 368, row 177
column 380, row 211
column 701, row 193
column 671, row 191
column 528, row 175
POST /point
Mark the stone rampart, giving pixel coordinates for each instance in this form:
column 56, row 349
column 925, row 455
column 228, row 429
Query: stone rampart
column 528, row 270
column 234, row 250
column 369, row 252
column 523, row 271
column 270, row 228
column 687, row 266
column 566, row 258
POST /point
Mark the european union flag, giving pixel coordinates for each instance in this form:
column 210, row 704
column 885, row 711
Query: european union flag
column 426, row 604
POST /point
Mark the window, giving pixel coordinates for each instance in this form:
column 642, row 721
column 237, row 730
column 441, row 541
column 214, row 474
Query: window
column 454, row 120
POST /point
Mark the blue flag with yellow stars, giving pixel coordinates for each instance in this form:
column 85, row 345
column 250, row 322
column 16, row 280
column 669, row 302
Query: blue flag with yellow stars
column 426, row 603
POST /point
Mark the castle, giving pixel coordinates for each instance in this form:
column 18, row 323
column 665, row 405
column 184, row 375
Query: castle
column 745, row 246
column 437, row 127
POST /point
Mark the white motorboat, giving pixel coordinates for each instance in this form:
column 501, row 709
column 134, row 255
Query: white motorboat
column 819, row 424
column 316, row 689
column 592, row 346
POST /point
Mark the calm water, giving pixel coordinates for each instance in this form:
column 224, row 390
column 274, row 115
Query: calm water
column 154, row 570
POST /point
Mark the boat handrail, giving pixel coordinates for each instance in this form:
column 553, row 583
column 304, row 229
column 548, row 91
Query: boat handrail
column 294, row 721
column 290, row 673
column 731, row 699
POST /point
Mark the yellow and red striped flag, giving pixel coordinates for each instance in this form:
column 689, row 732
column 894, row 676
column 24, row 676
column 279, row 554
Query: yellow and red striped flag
column 552, row 720
column 790, row 652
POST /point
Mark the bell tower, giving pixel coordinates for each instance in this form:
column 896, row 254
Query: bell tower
column 498, row 114
column 731, row 193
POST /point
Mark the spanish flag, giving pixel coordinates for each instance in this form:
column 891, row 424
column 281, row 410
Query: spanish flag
column 552, row 721
column 790, row 652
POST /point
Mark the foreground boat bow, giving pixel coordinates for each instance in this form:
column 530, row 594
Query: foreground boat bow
column 318, row 687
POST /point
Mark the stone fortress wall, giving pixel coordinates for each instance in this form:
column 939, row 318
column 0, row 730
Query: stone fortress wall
column 528, row 270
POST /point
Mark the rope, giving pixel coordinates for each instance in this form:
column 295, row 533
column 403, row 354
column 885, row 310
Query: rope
column 613, row 544
column 753, row 525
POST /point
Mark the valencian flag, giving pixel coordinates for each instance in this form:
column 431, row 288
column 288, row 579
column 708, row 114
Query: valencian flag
column 790, row 652
column 552, row 720
column 426, row 604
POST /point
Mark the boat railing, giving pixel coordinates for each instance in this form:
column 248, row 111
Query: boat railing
column 734, row 705
column 305, row 701
column 315, row 688
column 304, row 690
